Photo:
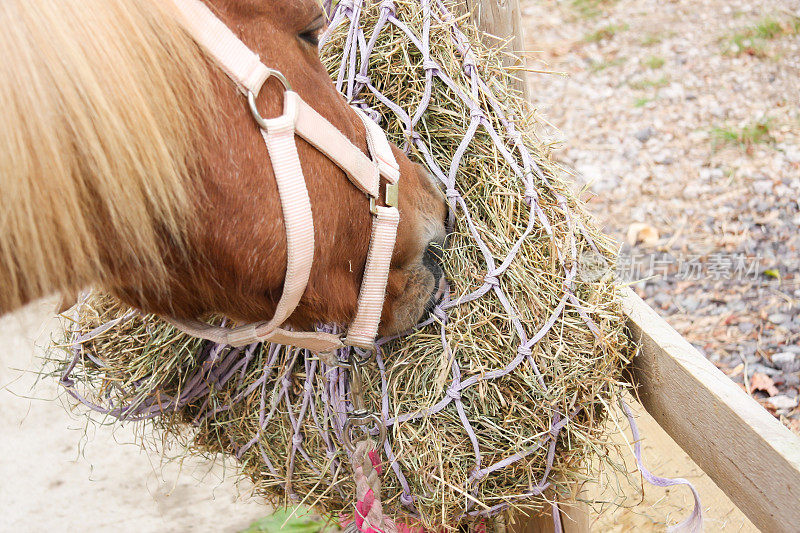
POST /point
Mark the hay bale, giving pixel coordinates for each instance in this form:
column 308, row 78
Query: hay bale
column 500, row 397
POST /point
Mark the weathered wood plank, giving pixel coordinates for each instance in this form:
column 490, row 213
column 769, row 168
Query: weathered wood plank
column 502, row 21
column 750, row 455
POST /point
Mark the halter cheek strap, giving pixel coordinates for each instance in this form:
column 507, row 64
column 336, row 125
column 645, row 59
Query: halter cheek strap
column 247, row 71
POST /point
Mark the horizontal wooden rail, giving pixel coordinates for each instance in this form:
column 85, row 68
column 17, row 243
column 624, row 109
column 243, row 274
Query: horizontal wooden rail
column 749, row 454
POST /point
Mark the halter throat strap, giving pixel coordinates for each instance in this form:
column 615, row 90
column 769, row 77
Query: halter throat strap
column 246, row 70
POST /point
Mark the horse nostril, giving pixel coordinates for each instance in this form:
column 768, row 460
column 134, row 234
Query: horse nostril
column 436, row 251
column 433, row 259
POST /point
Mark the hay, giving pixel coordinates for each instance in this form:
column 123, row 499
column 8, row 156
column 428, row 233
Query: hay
column 478, row 422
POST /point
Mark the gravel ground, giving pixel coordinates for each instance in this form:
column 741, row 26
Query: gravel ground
column 680, row 119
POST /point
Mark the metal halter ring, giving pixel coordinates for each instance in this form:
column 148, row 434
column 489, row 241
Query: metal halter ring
column 251, row 96
column 353, row 357
column 362, row 419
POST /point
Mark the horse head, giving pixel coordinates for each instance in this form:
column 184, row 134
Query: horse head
column 183, row 216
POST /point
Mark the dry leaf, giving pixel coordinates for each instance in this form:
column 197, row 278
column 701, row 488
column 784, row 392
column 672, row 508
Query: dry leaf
column 763, row 382
column 642, row 233
column 782, row 402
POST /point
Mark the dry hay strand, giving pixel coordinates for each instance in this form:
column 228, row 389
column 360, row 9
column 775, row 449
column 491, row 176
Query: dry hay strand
column 527, row 421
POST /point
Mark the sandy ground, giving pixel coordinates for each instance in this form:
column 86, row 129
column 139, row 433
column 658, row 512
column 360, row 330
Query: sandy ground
column 648, row 508
column 58, row 477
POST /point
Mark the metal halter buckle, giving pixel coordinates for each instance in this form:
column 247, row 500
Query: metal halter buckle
column 359, row 416
column 390, row 198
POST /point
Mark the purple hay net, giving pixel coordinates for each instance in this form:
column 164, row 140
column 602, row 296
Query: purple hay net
column 219, row 366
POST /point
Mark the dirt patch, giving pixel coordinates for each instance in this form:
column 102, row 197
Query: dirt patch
column 57, row 477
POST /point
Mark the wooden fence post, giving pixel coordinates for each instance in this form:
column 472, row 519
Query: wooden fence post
column 574, row 519
column 501, row 20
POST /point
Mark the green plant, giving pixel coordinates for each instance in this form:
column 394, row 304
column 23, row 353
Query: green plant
column 770, row 29
column 647, row 83
column 606, row 32
column 641, row 102
column 602, row 65
column 654, row 62
column 752, row 40
column 742, row 44
column 745, row 137
column 591, row 8
column 652, row 38
column 290, row 520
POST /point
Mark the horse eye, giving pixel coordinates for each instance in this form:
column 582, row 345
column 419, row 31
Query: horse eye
column 311, row 37
column 312, row 32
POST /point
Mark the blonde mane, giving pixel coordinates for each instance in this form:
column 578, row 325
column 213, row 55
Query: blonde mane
column 103, row 105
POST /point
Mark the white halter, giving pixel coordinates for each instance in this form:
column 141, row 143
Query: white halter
column 245, row 68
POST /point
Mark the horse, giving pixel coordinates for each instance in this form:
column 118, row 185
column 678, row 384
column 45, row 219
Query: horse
column 128, row 162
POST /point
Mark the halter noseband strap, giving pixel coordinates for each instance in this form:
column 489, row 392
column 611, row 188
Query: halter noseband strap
column 245, row 68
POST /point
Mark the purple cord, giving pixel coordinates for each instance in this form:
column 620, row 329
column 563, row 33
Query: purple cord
column 694, row 522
